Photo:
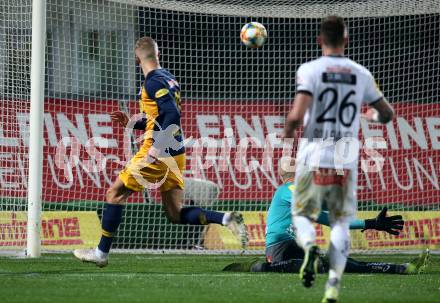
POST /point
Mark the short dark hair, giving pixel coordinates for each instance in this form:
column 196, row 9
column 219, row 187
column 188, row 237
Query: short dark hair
column 333, row 31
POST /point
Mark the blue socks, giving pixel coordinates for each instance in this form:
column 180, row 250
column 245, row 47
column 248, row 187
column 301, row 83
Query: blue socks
column 198, row 216
column 111, row 218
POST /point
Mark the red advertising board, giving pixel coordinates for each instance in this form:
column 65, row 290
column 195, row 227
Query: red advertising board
column 94, row 154
column 241, row 154
column 410, row 150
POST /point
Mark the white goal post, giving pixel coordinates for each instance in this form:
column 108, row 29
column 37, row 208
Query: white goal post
column 67, row 64
column 36, row 128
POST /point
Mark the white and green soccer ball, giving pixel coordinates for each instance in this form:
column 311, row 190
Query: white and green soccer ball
column 253, row 34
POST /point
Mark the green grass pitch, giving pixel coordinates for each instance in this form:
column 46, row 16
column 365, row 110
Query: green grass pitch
column 195, row 278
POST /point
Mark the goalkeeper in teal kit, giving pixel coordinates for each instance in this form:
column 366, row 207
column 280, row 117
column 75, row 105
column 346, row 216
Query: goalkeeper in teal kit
column 284, row 255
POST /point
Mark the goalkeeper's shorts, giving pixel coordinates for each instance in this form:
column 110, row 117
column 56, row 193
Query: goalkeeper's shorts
column 165, row 173
column 284, row 251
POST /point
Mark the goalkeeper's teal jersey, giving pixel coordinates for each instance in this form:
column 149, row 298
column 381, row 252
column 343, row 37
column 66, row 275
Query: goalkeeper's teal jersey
column 279, row 216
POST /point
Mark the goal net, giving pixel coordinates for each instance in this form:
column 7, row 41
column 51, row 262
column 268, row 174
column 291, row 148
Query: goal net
column 232, row 96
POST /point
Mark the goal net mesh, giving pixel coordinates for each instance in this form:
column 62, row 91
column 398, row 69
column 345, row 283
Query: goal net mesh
column 229, row 94
column 15, row 54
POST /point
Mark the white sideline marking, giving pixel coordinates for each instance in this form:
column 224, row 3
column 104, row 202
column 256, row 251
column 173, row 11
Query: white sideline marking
column 133, row 275
column 161, row 257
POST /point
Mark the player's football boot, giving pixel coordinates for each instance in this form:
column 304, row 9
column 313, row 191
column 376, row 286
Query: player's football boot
column 241, row 267
column 309, row 268
column 238, row 228
column 331, row 295
column 419, row 264
column 89, row 255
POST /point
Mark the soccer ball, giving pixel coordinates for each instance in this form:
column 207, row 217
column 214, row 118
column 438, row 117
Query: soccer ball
column 253, row 34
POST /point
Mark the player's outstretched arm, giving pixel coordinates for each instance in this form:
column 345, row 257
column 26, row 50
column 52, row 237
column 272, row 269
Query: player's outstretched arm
column 354, row 224
column 392, row 224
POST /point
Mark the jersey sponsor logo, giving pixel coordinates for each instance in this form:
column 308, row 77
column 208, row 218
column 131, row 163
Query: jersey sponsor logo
column 341, row 78
column 326, row 177
column 161, row 92
column 172, row 83
column 59, row 230
column 338, row 69
column 333, row 134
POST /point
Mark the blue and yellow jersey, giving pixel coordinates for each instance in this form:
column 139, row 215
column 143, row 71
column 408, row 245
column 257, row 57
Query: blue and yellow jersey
column 279, row 218
column 159, row 100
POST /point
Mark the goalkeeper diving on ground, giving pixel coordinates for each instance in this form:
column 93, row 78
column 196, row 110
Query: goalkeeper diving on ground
column 160, row 161
column 285, row 256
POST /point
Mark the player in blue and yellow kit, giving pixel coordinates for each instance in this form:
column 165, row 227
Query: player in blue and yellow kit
column 284, row 255
column 160, row 161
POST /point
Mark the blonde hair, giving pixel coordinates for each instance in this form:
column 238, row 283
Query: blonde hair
column 147, row 47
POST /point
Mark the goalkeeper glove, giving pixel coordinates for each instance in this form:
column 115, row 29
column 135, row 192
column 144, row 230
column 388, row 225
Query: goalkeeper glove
column 392, row 225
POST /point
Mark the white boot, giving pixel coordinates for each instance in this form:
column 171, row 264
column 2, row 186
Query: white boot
column 236, row 224
column 90, row 255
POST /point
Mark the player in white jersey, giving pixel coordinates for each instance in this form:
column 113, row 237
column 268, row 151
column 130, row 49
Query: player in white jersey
column 330, row 93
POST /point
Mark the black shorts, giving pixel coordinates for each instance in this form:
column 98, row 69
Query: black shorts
column 283, row 251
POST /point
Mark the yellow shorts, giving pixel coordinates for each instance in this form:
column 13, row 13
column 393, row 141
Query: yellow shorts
column 165, row 173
